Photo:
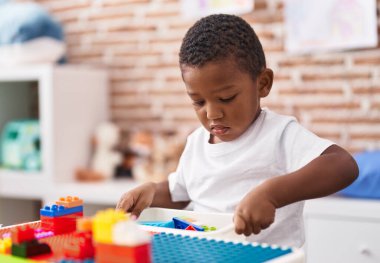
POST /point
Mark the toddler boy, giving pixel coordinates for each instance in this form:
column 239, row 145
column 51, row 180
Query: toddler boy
column 244, row 159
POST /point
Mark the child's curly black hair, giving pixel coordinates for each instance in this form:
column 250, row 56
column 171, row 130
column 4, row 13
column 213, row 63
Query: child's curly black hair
column 217, row 37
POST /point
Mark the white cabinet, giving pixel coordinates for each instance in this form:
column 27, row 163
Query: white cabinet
column 342, row 230
column 69, row 101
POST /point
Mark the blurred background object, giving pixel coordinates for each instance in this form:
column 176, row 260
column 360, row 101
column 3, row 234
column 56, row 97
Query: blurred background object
column 28, row 34
column 21, row 145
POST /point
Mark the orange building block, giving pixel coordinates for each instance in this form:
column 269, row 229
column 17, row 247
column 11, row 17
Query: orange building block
column 69, row 201
column 109, row 253
column 84, row 224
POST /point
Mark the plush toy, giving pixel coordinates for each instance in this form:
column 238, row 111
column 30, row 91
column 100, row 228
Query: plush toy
column 106, row 158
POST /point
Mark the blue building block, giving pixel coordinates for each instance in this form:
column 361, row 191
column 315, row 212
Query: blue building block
column 178, row 248
column 183, row 224
column 55, row 210
column 167, row 224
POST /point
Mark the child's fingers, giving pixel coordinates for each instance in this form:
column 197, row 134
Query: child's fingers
column 256, row 229
column 138, row 208
column 125, row 203
column 240, row 224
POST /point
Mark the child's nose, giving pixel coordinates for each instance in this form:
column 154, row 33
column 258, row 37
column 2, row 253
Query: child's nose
column 214, row 113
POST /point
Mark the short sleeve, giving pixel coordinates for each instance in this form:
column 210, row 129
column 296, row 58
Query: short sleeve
column 300, row 146
column 177, row 184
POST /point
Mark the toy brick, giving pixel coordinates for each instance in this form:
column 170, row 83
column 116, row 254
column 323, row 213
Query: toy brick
column 5, row 245
column 59, row 230
column 30, row 249
column 191, row 228
column 21, row 234
column 70, row 201
column 80, row 246
column 41, row 233
column 62, row 219
column 84, row 224
column 14, row 259
column 103, row 222
column 60, row 224
column 109, row 253
column 179, row 248
column 55, row 210
column 183, row 224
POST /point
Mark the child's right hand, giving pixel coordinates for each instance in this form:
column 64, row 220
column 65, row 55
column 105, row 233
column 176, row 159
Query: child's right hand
column 136, row 200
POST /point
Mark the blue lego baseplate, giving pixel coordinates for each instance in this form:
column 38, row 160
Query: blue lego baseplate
column 167, row 247
column 59, row 210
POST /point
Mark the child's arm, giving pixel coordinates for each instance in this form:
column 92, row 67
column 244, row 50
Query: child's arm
column 148, row 194
column 332, row 171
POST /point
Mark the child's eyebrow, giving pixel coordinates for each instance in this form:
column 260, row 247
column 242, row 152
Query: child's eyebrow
column 223, row 88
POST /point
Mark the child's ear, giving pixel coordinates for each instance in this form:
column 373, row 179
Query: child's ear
column 265, row 82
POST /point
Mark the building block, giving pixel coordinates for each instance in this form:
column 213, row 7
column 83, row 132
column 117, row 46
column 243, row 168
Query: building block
column 69, row 201
column 80, row 246
column 167, row 224
column 190, row 227
column 110, row 253
column 60, row 224
column 13, row 259
column 180, row 223
column 30, row 249
column 21, row 234
column 55, row 210
column 103, row 222
column 5, row 245
column 89, row 260
column 84, row 224
column 41, row 233
column 167, row 247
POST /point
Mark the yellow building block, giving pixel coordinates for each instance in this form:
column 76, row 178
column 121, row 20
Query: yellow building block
column 103, row 223
column 5, row 245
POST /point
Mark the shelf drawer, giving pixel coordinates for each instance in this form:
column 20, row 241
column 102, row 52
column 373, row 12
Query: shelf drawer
column 342, row 240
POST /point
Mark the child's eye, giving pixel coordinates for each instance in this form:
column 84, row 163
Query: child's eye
column 198, row 103
column 228, row 99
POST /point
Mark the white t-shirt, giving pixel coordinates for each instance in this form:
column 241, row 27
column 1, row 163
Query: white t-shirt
column 216, row 177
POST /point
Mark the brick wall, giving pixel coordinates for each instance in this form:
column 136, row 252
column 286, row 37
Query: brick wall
column 336, row 94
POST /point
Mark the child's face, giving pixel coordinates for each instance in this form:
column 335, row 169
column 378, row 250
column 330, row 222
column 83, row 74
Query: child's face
column 225, row 98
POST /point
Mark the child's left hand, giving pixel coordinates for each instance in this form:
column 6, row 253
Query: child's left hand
column 254, row 213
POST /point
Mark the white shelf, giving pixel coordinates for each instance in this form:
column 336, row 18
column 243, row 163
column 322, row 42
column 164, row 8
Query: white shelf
column 102, row 193
column 72, row 101
column 21, row 184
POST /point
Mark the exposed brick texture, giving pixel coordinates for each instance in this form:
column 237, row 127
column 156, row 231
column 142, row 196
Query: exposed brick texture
column 335, row 94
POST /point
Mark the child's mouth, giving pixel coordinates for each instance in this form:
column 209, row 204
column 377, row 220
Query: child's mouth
column 219, row 130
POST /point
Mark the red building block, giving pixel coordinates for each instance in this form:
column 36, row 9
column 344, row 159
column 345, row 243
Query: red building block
column 21, row 234
column 61, row 224
column 190, row 227
column 110, row 253
column 80, row 246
